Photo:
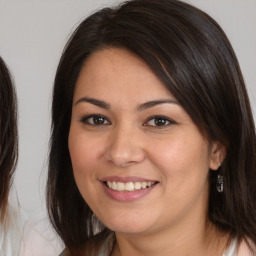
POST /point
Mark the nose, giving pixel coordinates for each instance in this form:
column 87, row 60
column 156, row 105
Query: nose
column 125, row 147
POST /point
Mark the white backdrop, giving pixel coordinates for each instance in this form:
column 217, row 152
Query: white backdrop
column 32, row 36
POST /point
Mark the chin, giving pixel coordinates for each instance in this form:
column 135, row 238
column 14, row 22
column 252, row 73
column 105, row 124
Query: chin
column 129, row 230
column 129, row 225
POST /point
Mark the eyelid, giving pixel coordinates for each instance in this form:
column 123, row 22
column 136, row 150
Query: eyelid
column 85, row 118
column 169, row 120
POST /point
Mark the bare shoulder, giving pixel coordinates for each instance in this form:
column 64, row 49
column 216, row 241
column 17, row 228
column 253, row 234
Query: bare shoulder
column 244, row 250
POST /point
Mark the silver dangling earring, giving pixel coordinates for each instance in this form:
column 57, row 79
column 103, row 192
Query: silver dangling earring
column 220, row 183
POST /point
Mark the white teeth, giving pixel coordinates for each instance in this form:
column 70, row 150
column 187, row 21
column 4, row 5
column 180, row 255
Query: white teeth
column 114, row 185
column 120, row 186
column 137, row 185
column 128, row 186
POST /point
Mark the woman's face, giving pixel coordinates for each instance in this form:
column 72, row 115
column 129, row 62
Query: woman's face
column 139, row 161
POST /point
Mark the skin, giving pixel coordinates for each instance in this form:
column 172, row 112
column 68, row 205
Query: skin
column 171, row 218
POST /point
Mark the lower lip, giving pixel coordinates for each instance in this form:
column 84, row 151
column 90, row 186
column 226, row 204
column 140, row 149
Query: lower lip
column 127, row 196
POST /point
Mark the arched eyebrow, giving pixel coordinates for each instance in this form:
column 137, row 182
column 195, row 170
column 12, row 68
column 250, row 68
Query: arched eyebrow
column 96, row 102
column 153, row 103
column 141, row 107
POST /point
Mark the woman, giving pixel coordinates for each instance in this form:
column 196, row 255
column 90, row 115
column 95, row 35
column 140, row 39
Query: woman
column 153, row 140
column 11, row 220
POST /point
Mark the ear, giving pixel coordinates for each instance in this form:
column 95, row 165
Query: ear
column 217, row 155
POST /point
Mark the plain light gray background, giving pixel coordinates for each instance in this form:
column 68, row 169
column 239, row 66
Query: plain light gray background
column 32, row 36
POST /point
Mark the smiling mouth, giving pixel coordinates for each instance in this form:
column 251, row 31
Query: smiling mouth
column 128, row 186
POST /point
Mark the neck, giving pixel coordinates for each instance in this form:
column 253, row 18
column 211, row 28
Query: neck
column 198, row 240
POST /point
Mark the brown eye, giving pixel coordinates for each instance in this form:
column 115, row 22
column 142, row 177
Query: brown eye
column 159, row 121
column 98, row 120
column 95, row 120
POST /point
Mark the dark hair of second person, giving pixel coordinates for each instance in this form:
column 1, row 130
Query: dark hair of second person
column 8, row 137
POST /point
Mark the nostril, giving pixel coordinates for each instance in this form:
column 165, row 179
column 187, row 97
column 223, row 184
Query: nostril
column 125, row 158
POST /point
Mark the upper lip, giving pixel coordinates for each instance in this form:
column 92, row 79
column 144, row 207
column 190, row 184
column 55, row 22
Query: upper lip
column 127, row 179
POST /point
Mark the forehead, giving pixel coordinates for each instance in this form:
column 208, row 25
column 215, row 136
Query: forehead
column 121, row 72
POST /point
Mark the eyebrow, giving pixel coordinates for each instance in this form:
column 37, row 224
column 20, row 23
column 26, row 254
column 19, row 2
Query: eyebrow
column 99, row 103
column 143, row 106
column 153, row 103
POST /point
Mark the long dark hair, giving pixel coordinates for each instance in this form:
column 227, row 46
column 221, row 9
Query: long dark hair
column 191, row 55
column 8, row 136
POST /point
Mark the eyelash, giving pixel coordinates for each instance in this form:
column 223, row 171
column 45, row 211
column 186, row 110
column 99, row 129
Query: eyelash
column 166, row 121
column 94, row 118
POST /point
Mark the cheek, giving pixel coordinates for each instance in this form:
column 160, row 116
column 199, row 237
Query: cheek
column 83, row 150
column 181, row 159
column 82, row 154
column 82, row 161
column 179, row 152
column 184, row 169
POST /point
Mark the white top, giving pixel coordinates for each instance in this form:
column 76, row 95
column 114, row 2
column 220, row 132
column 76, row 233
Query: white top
column 231, row 250
column 39, row 238
column 10, row 241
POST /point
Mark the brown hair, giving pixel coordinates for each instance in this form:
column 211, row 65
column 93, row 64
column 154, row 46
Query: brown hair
column 191, row 55
column 8, row 136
